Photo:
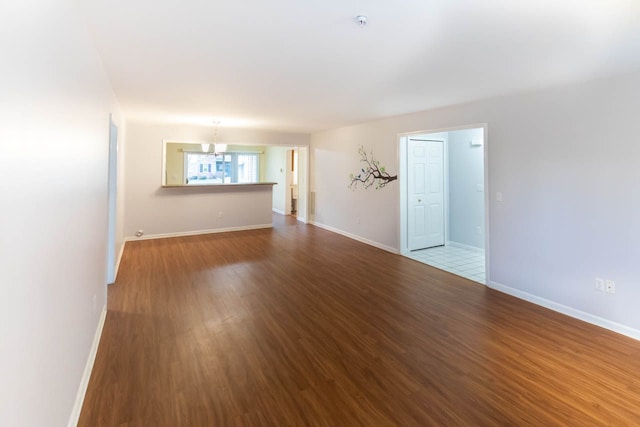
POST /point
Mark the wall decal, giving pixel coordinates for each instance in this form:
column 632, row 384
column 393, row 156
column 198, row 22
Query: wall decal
column 371, row 174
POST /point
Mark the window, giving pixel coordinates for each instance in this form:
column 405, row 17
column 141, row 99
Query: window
column 224, row 168
column 247, row 168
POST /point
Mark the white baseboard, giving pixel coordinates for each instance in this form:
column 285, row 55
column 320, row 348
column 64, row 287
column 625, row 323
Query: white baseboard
column 569, row 311
column 356, row 237
column 198, row 232
column 463, row 246
column 86, row 376
column 278, row 211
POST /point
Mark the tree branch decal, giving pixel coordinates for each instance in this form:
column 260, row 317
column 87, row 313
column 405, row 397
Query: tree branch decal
column 371, row 174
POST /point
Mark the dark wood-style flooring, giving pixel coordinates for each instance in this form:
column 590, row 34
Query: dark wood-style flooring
column 297, row 326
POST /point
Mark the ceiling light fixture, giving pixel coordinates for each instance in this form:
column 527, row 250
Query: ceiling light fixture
column 361, row 20
column 217, row 148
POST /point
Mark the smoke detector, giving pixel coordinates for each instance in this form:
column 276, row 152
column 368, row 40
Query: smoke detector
column 361, row 20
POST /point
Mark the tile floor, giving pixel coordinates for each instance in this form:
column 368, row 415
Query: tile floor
column 463, row 262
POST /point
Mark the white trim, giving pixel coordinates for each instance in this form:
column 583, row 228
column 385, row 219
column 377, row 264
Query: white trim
column 112, row 201
column 487, row 204
column 301, row 219
column 198, row 232
column 115, row 274
column 445, row 179
column 355, row 237
column 278, row 211
column 463, row 246
column 307, row 183
column 569, row 311
column 86, row 376
column 446, row 129
column 402, row 186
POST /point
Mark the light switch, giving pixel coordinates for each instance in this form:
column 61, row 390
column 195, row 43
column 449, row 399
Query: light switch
column 499, row 196
column 480, row 188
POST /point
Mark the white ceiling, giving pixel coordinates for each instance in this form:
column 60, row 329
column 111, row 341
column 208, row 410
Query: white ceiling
column 297, row 65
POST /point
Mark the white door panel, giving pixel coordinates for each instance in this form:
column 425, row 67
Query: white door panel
column 425, row 194
column 420, row 226
column 419, row 179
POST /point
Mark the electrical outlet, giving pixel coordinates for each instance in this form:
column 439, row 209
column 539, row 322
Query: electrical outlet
column 599, row 284
column 610, row 287
column 220, row 214
column 478, row 230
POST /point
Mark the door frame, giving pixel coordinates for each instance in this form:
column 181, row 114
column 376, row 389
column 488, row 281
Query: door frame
column 304, row 171
column 288, row 179
column 303, row 184
column 112, row 187
column 402, row 142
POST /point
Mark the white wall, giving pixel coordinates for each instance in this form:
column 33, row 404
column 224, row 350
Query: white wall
column 566, row 160
column 303, row 180
column 120, row 194
column 371, row 214
column 276, row 164
column 466, row 203
column 159, row 210
column 54, row 134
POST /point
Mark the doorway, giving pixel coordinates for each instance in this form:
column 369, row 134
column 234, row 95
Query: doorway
column 443, row 203
column 291, row 185
column 288, row 167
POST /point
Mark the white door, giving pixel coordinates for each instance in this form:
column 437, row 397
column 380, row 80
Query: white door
column 425, row 185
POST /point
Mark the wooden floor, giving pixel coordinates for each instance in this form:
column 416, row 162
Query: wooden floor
column 296, row 326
